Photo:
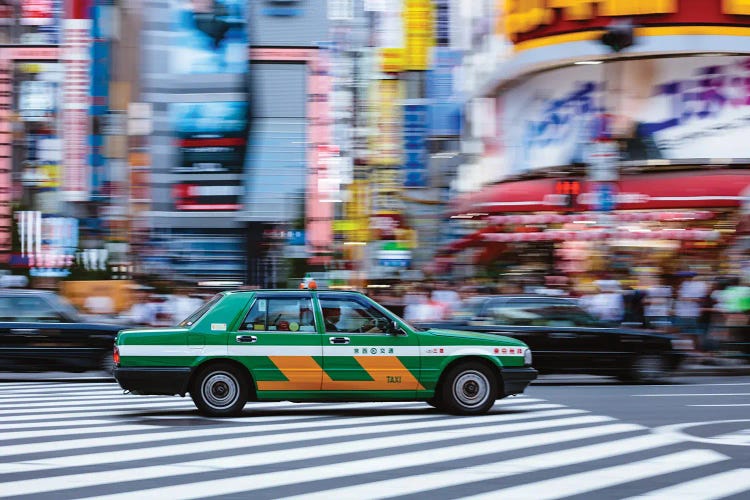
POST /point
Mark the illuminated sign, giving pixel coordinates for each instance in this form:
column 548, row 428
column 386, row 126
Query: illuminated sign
column 532, row 19
column 282, row 8
column 214, row 195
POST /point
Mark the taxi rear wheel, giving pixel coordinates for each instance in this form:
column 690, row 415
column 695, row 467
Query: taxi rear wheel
column 219, row 390
column 468, row 389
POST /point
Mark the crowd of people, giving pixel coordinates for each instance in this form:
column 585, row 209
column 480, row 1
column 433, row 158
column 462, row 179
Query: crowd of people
column 149, row 307
column 709, row 309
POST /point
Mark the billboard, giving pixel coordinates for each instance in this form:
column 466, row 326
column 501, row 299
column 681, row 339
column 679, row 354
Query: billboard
column 211, row 136
column 211, row 196
column 415, row 145
column 209, row 37
column 672, row 109
column 530, row 20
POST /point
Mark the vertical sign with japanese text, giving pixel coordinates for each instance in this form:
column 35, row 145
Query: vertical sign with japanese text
column 76, row 57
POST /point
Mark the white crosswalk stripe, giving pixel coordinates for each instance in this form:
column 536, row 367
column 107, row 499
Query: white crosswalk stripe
column 720, row 485
column 88, row 440
column 584, row 482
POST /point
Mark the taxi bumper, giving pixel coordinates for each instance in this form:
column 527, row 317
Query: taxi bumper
column 153, row 381
column 515, row 380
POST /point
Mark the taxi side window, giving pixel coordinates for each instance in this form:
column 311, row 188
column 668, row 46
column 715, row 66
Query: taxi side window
column 280, row 315
column 352, row 316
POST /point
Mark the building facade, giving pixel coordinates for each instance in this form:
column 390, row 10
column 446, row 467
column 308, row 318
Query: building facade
column 597, row 157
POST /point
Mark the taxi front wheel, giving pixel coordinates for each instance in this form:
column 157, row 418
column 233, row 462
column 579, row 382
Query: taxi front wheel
column 219, row 390
column 468, row 389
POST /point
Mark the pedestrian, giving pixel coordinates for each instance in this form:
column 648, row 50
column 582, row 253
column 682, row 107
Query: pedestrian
column 690, row 296
column 657, row 304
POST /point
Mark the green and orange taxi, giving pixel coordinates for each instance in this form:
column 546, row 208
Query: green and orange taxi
column 317, row 345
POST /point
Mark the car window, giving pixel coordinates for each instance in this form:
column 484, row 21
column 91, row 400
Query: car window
column 30, row 308
column 568, row 315
column 202, row 310
column 541, row 313
column 349, row 315
column 282, row 314
column 516, row 314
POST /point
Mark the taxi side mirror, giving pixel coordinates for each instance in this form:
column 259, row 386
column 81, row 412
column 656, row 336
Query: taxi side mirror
column 395, row 328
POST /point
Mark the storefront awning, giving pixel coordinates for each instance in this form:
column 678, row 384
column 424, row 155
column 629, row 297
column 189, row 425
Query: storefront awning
column 674, row 190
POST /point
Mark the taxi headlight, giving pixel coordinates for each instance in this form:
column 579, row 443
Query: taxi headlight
column 527, row 357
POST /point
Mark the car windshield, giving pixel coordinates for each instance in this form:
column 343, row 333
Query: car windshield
column 65, row 308
column 202, row 310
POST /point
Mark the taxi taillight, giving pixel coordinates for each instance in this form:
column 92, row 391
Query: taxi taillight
column 116, row 356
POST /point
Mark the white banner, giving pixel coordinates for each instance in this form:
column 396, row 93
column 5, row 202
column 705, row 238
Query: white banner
column 678, row 108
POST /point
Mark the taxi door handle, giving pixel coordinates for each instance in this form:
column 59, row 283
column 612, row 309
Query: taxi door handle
column 339, row 340
column 249, row 339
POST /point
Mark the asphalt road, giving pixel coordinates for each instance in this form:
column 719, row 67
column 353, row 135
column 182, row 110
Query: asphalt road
column 712, row 411
column 582, row 437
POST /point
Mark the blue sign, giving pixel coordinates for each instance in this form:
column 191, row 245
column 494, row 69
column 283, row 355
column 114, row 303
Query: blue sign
column 282, row 8
column 209, row 37
column 415, row 145
column 605, row 197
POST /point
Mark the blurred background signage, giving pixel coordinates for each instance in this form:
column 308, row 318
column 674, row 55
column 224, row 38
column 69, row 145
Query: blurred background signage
column 531, row 20
column 676, row 108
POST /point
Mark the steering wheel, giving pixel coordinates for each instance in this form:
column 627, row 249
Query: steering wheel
column 367, row 326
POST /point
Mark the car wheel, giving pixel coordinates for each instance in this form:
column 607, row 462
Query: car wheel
column 646, row 368
column 219, row 391
column 468, row 389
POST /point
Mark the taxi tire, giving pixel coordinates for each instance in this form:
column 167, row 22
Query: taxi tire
column 215, row 383
column 435, row 401
column 468, row 389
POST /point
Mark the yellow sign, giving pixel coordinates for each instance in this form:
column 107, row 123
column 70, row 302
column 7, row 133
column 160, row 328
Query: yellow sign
column 522, row 16
column 391, row 60
column 737, row 7
column 419, row 33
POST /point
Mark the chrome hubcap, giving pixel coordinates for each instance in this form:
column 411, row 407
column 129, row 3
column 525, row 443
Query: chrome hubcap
column 471, row 389
column 220, row 390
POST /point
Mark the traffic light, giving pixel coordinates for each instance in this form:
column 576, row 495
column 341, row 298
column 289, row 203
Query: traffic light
column 569, row 189
column 618, row 36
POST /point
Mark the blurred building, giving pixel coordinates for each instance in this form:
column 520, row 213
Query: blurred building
column 597, row 147
column 55, row 179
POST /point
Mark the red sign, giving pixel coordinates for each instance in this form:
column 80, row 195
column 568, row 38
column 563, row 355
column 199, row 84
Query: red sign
column 37, row 12
column 534, row 19
column 207, row 196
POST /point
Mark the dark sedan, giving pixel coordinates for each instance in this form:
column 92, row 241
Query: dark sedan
column 566, row 339
column 40, row 331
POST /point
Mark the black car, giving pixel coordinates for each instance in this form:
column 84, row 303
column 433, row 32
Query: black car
column 40, row 331
column 564, row 338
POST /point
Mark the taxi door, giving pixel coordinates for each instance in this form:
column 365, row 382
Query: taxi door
column 279, row 343
column 362, row 353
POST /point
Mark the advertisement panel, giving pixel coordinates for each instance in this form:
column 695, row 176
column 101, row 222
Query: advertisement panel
column 209, row 37
column 674, row 109
column 76, row 57
column 531, row 20
column 37, row 12
column 6, row 165
column 40, row 22
column 418, row 28
column 415, row 145
column 211, row 136
column 208, row 195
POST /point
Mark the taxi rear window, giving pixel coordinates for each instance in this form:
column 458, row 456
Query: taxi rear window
column 200, row 312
